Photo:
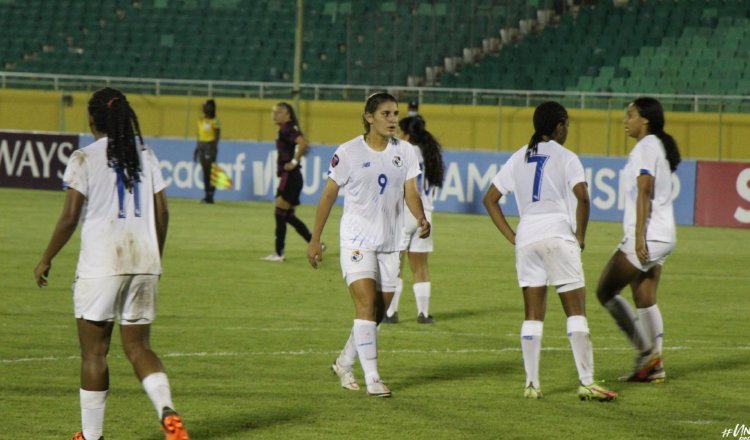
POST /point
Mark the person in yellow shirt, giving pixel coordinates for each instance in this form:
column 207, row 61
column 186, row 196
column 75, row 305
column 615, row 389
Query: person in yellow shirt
column 209, row 131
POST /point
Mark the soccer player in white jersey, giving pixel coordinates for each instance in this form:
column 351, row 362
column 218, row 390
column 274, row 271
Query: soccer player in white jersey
column 116, row 190
column 378, row 173
column 553, row 203
column 427, row 149
column 650, row 237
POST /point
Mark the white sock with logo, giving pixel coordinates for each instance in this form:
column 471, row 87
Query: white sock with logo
column 583, row 352
column 365, row 336
column 531, row 347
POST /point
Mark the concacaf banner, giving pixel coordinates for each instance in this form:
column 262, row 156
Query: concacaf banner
column 38, row 160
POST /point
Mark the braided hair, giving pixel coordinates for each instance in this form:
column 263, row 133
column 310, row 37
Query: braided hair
column 434, row 170
column 112, row 114
column 546, row 118
column 651, row 110
column 292, row 116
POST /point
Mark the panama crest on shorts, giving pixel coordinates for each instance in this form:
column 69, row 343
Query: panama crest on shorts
column 356, row 256
column 398, row 161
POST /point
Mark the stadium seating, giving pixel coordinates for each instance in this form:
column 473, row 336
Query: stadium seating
column 685, row 46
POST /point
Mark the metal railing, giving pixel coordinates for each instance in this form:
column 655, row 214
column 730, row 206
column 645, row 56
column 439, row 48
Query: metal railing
column 429, row 95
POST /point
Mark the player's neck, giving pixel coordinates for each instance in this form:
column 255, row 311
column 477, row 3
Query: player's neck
column 376, row 141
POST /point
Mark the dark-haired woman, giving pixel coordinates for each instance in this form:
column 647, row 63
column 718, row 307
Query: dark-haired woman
column 378, row 173
column 427, row 149
column 209, row 132
column 116, row 190
column 553, row 202
column 650, row 236
column 291, row 145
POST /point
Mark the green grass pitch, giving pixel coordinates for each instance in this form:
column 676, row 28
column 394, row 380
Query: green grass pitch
column 248, row 344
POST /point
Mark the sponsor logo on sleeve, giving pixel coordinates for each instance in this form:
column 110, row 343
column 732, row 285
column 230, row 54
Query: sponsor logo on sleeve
column 356, row 256
column 334, row 160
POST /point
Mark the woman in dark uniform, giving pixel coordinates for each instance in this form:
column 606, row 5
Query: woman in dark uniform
column 291, row 146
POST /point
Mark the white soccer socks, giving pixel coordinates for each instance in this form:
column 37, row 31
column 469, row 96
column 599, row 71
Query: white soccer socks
column 157, row 388
column 653, row 324
column 620, row 310
column 92, row 413
column 531, row 347
column 348, row 354
column 422, row 295
column 365, row 336
column 583, row 352
column 393, row 308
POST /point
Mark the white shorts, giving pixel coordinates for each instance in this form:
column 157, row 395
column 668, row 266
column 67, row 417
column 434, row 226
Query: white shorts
column 129, row 298
column 550, row 262
column 658, row 251
column 410, row 240
column 383, row 267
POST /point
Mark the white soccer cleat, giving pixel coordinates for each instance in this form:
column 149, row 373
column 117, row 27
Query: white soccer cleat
column 346, row 376
column 378, row 389
column 274, row 257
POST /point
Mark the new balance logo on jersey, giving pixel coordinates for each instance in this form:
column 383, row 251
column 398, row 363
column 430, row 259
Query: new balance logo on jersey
column 398, row 161
column 366, row 165
column 356, row 256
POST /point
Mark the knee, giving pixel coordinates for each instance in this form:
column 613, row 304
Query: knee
column 134, row 351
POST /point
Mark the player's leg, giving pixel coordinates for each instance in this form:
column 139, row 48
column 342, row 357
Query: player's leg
column 644, row 294
column 281, row 210
column 291, row 196
column 298, row 225
column 206, row 162
column 137, row 310
column 94, row 338
column 366, row 300
column 535, row 304
column 617, row 274
column 422, row 286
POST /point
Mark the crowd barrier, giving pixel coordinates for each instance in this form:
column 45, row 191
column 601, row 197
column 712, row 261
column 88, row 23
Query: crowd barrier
column 706, row 193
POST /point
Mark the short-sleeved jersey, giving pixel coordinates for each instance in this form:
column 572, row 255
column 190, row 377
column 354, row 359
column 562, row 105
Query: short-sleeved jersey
column 649, row 157
column 286, row 142
column 543, row 186
column 118, row 230
column 373, row 184
column 207, row 128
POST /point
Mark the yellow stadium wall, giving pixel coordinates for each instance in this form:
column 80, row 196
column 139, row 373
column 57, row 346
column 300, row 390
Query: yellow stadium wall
column 595, row 132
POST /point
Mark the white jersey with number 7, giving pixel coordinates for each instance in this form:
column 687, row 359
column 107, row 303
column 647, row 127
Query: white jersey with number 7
column 543, row 187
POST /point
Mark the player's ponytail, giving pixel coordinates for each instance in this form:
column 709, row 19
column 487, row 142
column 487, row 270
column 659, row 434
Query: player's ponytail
column 292, row 115
column 414, row 126
column 651, row 110
column 546, row 119
column 112, row 114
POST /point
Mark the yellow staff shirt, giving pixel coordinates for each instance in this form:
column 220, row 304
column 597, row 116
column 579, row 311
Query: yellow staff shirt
column 207, row 128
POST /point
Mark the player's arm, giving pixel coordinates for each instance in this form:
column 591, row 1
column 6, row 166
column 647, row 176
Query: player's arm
column 414, row 203
column 581, row 192
column 300, row 151
column 64, row 229
column 491, row 203
column 161, row 217
column 645, row 184
column 327, row 199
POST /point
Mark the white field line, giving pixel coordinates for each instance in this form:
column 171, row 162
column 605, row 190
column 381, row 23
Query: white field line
column 201, row 354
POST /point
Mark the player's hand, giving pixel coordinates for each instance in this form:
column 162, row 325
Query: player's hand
column 289, row 166
column 314, row 253
column 641, row 250
column 424, row 228
column 41, row 272
column 581, row 242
